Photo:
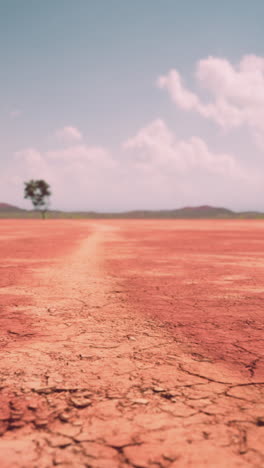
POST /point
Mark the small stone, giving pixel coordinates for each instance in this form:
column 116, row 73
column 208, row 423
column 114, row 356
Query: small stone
column 41, row 422
column 87, row 394
column 260, row 421
column 158, row 389
column 32, row 406
column 64, row 416
column 80, row 402
column 169, row 396
column 141, row 401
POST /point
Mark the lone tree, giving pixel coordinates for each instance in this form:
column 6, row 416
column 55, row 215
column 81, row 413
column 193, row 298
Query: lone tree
column 39, row 192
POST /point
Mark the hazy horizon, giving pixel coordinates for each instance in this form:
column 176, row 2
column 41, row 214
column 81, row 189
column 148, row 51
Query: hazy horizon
column 164, row 209
column 124, row 105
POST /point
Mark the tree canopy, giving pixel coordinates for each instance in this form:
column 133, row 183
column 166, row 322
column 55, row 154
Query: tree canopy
column 39, row 192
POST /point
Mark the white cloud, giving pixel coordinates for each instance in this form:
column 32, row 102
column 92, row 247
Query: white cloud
column 31, row 162
column 69, row 134
column 179, row 93
column 156, row 145
column 171, row 172
column 237, row 92
column 77, row 174
column 75, row 153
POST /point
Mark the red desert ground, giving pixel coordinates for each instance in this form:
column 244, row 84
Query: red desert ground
column 131, row 343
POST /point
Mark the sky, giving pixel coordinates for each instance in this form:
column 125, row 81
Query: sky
column 143, row 104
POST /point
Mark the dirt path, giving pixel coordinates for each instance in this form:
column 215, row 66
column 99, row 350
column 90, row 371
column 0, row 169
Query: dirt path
column 88, row 379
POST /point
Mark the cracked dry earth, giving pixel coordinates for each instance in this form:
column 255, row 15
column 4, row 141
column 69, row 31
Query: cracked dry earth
column 131, row 344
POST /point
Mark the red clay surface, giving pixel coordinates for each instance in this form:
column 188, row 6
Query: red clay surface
column 131, row 344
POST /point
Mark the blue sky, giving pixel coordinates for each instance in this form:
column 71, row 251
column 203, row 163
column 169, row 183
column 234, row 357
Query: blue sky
column 82, row 103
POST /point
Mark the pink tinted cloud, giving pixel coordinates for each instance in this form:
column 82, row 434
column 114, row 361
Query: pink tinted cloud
column 178, row 92
column 155, row 145
column 237, row 91
column 92, row 154
column 69, row 134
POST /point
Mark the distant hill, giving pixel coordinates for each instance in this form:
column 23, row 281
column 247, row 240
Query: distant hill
column 204, row 211
column 188, row 212
column 6, row 208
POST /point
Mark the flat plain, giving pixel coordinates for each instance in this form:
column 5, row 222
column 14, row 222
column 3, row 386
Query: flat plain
column 131, row 343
